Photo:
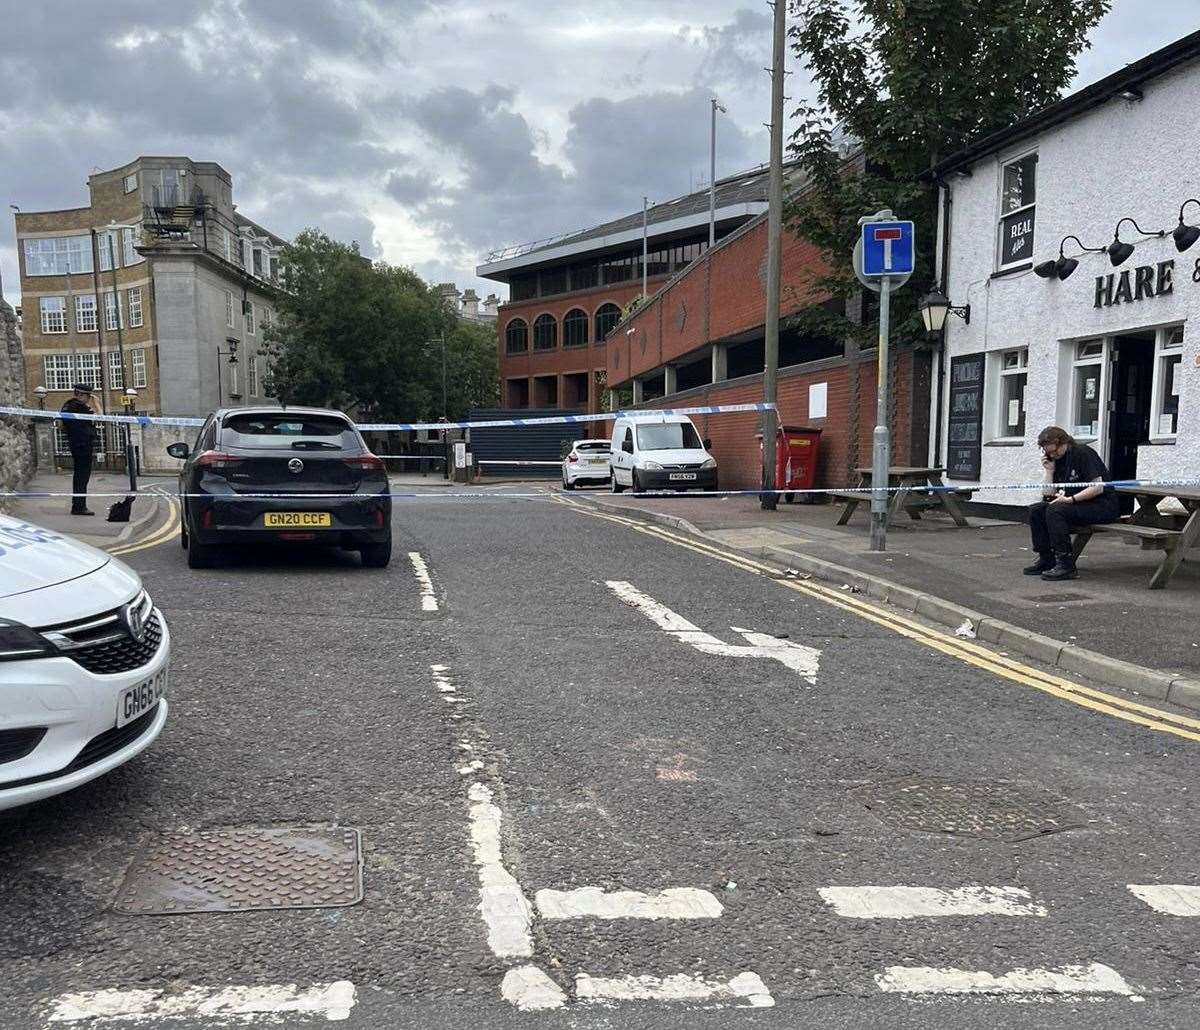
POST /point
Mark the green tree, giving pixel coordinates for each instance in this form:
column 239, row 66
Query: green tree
column 912, row 81
column 354, row 335
column 472, row 376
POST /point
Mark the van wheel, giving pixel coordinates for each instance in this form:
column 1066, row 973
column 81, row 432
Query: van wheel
column 613, row 485
column 635, row 486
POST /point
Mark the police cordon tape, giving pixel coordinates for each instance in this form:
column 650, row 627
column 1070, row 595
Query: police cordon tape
column 394, row 427
column 677, row 493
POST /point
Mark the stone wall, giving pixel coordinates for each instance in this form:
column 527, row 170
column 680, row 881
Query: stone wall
column 16, row 452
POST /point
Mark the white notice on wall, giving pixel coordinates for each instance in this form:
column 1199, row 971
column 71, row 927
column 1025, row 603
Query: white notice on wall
column 1089, row 389
column 1014, row 412
column 818, row 400
column 460, row 455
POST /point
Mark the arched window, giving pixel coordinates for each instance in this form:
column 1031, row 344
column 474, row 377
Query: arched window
column 516, row 337
column 575, row 328
column 545, row 333
column 607, row 315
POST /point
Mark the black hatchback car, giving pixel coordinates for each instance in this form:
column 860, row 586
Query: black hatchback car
column 321, row 484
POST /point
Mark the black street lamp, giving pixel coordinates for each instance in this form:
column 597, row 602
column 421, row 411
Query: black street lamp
column 934, row 308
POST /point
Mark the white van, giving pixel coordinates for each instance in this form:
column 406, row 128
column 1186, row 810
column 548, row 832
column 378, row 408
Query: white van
column 660, row 452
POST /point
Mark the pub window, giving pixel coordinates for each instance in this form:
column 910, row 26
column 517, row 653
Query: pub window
column 545, row 333
column 1085, row 393
column 516, row 337
column 607, row 316
column 1167, row 365
column 575, row 328
column 1018, row 193
column 1014, row 366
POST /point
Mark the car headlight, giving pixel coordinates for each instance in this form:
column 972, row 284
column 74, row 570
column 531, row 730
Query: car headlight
column 18, row 642
column 709, row 463
column 651, row 466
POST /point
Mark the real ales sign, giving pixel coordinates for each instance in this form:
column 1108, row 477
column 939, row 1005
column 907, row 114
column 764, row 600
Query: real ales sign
column 964, row 452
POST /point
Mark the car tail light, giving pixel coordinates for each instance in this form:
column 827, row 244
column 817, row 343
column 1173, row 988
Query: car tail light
column 572, row 457
column 215, row 460
column 365, row 463
column 379, row 518
column 207, row 521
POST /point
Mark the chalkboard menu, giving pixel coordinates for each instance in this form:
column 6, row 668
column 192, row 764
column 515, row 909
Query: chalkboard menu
column 963, row 452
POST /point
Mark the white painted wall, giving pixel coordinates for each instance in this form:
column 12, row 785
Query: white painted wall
column 1133, row 159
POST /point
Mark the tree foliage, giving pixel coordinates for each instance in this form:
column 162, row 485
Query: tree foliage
column 367, row 337
column 912, row 81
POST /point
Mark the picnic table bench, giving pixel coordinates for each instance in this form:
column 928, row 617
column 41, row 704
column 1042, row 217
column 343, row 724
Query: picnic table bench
column 1152, row 529
column 912, row 496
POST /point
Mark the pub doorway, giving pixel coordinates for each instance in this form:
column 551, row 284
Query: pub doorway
column 1130, row 404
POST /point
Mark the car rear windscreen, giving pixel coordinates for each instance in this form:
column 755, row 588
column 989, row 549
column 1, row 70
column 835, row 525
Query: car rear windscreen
column 595, row 445
column 667, row 436
column 285, row 430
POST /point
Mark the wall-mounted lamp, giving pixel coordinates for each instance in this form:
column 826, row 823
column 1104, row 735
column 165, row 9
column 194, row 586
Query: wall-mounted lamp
column 1185, row 235
column 1063, row 266
column 1119, row 252
column 934, row 308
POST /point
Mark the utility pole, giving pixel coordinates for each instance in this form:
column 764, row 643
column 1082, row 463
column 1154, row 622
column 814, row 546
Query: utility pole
column 112, row 264
column 712, row 173
column 442, row 338
column 645, row 245
column 770, row 420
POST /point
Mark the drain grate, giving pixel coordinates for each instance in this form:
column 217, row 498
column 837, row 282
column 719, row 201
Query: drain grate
column 245, row 870
column 990, row 810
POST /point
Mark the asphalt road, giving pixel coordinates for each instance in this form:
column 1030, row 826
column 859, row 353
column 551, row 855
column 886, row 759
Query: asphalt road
column 559, row 681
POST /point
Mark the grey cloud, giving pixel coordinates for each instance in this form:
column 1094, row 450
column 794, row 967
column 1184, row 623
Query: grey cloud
column 736, row 53
column 405, row 188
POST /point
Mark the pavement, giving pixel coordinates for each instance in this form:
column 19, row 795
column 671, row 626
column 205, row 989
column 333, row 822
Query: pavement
column 1108, row 609
column 607, row 775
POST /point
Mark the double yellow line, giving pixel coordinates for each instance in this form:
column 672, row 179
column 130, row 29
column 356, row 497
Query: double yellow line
column 168, row 529
column 955, row 647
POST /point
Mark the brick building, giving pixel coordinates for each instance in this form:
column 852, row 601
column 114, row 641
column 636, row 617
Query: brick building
column 567, row 293
column 700, row 341
column 157, row 284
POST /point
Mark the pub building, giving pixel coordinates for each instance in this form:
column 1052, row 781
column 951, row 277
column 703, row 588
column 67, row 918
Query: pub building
column 1073, row 238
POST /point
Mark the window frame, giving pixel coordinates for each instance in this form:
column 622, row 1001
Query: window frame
column 45, row 324
column 545, row 319
column 575, row 317
column 1003, row 215
column 108, row 260
column 249, row 313
column 56, row 251
column 137, row 362
column 116, row 370
column 85, row 303
column 1018, row 369
column 229, row 322
column 111, row 325
column 136, row 314
column 252, row 376
column 616, row 313
column 131, row 177
column 56, row 369
column 1168, row 350
column 509, row 328
column 90, row 374
column 1080, row 360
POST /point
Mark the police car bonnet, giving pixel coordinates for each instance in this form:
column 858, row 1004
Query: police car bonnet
column 32, row 557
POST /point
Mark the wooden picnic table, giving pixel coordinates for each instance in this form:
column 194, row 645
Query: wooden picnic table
column 913, row 496
column 1169, row 532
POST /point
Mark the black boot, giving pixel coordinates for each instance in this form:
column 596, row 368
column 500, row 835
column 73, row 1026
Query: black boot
column 1064, row 568
column 1044, row 563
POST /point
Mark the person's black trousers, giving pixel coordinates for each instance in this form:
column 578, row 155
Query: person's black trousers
column 81, row 459
column 1050, row 525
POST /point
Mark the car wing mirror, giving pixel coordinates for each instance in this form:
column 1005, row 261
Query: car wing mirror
column 178, row 450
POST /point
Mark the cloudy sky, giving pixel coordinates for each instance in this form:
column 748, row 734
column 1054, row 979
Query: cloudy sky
column 430, row 131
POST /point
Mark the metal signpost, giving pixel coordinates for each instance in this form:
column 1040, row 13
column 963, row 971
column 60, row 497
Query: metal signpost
column 884, row 257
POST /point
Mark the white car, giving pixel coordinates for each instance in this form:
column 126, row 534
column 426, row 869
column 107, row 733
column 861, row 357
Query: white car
column 83, row 664
column 587, row 462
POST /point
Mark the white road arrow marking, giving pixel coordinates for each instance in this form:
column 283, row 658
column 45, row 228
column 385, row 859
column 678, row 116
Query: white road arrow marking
column 802, row 660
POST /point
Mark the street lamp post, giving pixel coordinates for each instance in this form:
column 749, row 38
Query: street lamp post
column 129, row 403
column 645, row 245
column 712, row 173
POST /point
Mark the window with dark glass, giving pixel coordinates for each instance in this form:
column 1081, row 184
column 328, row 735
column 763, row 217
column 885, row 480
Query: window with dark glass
column 617, row 269
column 516, row 337
column 553, row 280
column 584, row 277
column 1018, row 194
column 575, row 328
column 607, row 315
column 545, row 333
column 524, row 287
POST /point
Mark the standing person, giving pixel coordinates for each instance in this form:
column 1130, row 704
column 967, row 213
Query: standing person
column 1088, row 504
column 81, row 437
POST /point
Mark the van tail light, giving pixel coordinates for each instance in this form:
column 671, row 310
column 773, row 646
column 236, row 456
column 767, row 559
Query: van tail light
column 572, row 457
column 365, row 463
column 216, row 460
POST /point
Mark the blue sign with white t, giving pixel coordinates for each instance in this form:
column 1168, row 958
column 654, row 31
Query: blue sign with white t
column 888, row 248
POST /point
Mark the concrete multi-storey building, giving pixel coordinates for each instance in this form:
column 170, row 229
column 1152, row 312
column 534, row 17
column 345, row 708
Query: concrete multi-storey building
column 158, row 285
column 567, row 293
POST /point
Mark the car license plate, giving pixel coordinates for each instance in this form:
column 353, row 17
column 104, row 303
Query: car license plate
column 139, row 699
column 297, row 520
column 597, row 461
column 678, row 476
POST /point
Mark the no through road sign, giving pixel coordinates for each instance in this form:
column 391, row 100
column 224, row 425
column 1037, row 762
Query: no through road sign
column 887, row 249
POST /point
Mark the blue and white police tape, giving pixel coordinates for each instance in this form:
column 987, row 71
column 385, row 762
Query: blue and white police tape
column 490, row 491
column 394, row 427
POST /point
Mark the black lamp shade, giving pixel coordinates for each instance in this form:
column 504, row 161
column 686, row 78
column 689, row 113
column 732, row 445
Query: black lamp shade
column 1064, row 266
column 1046, row 270
column 1118, row 252
column 934, row 308
column 1185, row 236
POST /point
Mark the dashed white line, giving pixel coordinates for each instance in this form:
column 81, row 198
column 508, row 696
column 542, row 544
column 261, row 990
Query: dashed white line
column 594, row 903
column 531, row 990
column 505, row 908
column 1171, row 899
column 746, row 988
column 800, row 659
column 429, row 602
column 918, row 902
column 1091, row 979
column 243, row 1004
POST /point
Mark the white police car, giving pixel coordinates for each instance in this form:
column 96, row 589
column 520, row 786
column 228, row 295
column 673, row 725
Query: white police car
column 83, row 664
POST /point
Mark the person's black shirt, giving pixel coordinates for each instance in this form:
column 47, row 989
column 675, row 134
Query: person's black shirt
column 81, row 435
column 1080, row 465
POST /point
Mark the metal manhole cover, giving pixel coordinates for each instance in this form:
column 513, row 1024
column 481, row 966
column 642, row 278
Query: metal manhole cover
column 991, row 810
column 245, row 871
column 1059, row 598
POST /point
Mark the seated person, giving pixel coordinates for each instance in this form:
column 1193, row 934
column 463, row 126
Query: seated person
column 1067, row 507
